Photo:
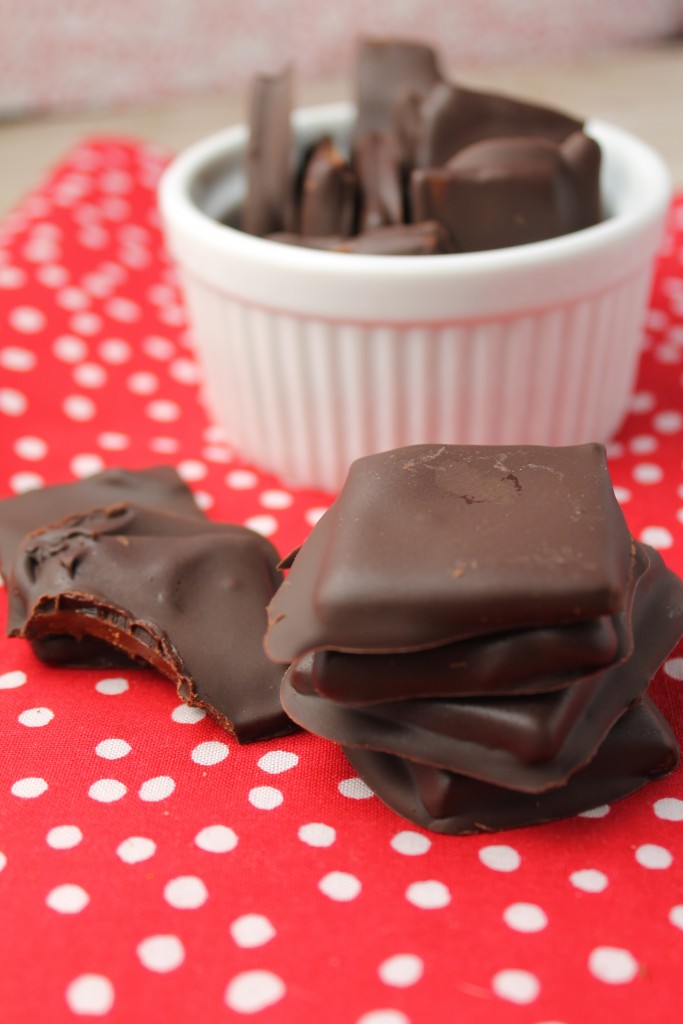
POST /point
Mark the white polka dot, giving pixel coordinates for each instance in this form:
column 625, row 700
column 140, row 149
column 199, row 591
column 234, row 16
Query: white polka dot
column 402, row 970
column 85, row 323
column 113, row 749
column 161, row 295
column 184, row 371
column 143, row 383
column 210, row 752
column 241, row 479
column 253, row 991
column 340, row 886
column 525, row 917
column 67, row 899
column 124, row 310
column 156, row 789
column 187, row 892
column 112, row 687
column 27, row 319
column 216, row 839
column 161, row 953
column 657, row 858
column 383, row 1017
column 29, row 788
column 136, row 849
column 315, row 833
column 113, row 441
column 277, row 761
column 12, row 277
column 86, row 464
column 79, row 408
column 589, row 880
column 669, row 809
column 428, row 895
column 115, row 351
column 251, row 930
column 52, row 276
column 314, row 515
column 64, row 837
column 276, row 499
column 107, row 791
column 520, row 987
column 158, row 348
column 191, row 470
column 185, row 714
column 643, row 444
column 3, row 861
column 90, row 375
column 657, row 537
column 25, row 481
column 18, row 360
column 32, row 449
column 164, row 445
column 34, row 718
column 72, row 299
column 676, row 916
column 500, row 858
column 648, row 473
column 669, row 421
column 163, row 410
column 595, row 812
column 115, row 181
column 11, row 680
column 612, row 965
column 203, row 500
column 12, row 402
column 674, row 669
column 265, row 525
column 90, row 995
column 410, row 844
column 216, row 453
column 266, row 798
column 623, row 495
column 354, row 789
column 69, row 349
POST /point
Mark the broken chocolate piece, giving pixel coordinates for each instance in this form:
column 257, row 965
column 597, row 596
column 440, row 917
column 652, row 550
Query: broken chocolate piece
column 329, row 193
column 268, row 205
column 395, row 240
column 455, row 542
column 451, row 118
column 511, row 191
column 387, row 69
column 186, row 597
column 379, row 177
column 639, row 749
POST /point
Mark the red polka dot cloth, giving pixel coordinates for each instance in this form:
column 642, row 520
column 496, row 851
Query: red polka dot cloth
column 151, row 868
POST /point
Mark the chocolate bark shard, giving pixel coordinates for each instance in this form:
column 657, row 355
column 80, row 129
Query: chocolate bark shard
column 329, row 193
column 269, row 201
column 511, row 191
column 186, row 597
column 388, row 69
column 431, row 544
column 425, row 239
column 639, row 749
column 451, row 117
column 377, row 165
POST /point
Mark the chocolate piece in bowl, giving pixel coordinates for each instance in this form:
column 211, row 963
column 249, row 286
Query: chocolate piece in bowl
column 423, row 239
column 377, row 165
column 387, row 70
column 329, row 193
column 511, row 191
column 186, row 597
column 269, row 201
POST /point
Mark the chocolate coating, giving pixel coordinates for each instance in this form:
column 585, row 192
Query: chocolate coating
column 431, row 544
column 527, row 743
column 394, row 240
column 184, row 596
column 511, row 191
column 379, row 176
column 329, row 193
column 639, row 749
column 268, row 205
column 388, row 69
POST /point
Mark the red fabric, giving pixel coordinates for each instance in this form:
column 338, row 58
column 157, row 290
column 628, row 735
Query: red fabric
column 96, row 371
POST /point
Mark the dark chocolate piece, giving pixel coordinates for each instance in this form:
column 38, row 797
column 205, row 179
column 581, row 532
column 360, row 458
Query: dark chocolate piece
column 639, row 749
column 159, row 488
column 529, row 743
column 185, row 597
column 269, row 201
column 379, row 176
column 511, row 191
column 387, row 70
column 431, row 544
column 451, row 118
column 395, row 240
column 329, row 193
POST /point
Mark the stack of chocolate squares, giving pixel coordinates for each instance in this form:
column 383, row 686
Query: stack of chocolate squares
column 477, row 628
column 124, row 567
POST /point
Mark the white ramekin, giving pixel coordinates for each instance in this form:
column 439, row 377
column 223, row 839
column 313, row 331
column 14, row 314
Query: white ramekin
column 312, row 359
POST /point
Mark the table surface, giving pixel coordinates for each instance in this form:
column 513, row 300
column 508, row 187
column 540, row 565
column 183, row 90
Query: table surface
column 639, row 90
